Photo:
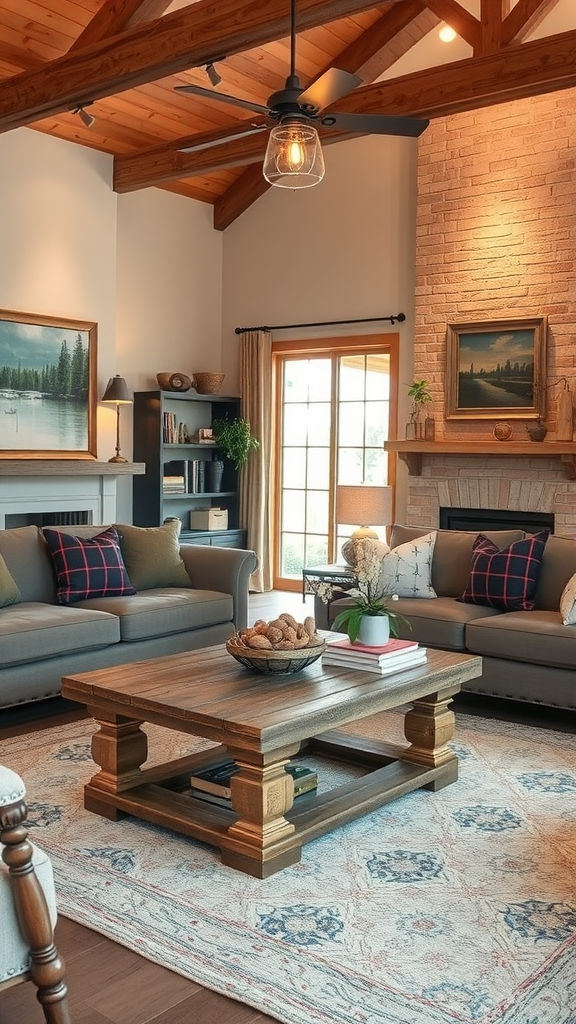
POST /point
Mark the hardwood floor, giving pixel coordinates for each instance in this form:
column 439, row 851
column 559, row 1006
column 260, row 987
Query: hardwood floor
column 109, row 984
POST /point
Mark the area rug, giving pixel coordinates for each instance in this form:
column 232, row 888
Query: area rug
column 456, row 907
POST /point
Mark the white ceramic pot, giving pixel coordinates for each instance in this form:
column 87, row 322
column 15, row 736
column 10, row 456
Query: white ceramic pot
column 374, row 630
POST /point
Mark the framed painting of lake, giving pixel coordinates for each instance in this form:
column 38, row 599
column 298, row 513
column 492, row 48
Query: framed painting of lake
column 47, row 387
column 496, row 369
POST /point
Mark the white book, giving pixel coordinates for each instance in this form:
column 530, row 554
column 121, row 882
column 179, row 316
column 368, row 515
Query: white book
column 397, row 665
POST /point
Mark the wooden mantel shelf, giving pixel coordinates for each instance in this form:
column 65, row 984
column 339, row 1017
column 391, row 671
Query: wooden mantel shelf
column 411, row 452
column 69, row 467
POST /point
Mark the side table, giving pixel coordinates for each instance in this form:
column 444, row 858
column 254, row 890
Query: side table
column 342, row 575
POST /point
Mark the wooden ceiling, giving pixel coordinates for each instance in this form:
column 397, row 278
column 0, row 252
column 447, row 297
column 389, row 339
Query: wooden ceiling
column 122, row 58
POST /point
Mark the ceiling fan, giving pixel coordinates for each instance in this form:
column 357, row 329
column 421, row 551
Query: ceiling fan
column 294, row 155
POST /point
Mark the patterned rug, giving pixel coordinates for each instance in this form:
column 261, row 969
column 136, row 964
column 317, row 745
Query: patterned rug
column 457, row 907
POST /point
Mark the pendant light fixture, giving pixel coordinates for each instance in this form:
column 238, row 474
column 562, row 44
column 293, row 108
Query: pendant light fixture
column 293, row 156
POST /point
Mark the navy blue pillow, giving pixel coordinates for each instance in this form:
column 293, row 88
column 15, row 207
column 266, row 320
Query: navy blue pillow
column 505, row 579
column 88, row 567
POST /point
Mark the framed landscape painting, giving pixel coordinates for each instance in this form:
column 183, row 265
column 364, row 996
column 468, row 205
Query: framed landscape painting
column 47, row 387
column 496, row 369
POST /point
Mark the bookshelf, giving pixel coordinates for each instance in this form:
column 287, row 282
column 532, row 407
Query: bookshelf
column 155, row 412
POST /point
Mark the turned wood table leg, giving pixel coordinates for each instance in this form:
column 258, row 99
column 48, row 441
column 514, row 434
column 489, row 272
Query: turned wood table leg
column 46, row 965
column 429, row 726
column 261, row 794
column 119, row 747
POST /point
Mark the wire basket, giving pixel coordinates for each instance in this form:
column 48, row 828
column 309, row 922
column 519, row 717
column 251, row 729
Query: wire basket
column 208, row 383
column 276, row 663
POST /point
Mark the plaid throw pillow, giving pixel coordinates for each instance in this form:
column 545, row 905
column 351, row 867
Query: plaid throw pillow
column 87, row 568
column 505, row 579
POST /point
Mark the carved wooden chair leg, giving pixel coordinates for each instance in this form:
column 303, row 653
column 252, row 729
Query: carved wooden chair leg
column 46, row 966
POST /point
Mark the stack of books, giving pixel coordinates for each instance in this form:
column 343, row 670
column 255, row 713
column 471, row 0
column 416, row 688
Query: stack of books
column 173, row 485
column 213, row 783
column 395, row 656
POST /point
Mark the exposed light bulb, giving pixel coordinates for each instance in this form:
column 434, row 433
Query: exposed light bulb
column 294, row 156
column 447, row 33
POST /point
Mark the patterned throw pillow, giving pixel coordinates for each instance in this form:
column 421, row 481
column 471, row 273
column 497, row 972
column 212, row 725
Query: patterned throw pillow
column 407, row 569
column 87, row 567
column 568, row 603
column 505, row 579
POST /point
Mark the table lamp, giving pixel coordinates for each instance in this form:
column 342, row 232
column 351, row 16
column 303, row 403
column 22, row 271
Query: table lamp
column 362, row 504
column 117, row 392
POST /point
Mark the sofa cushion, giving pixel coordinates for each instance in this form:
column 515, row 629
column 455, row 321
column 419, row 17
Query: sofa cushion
column 9, row 593
column 34, row 631
column 25, row 552
column 152, row 556
column 568, row 603
column 407, row 569
column 505, row 579
column 558, row 565
column 91, row 567
column 535, row 637
column 452, row 553
column 162, row 611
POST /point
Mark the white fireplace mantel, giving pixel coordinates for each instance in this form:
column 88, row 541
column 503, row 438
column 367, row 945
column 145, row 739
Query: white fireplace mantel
column 37, row 486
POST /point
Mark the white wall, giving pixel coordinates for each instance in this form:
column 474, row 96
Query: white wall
column 343, row 249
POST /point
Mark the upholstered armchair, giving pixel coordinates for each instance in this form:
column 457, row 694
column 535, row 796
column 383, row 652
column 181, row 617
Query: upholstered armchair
column 27, row 907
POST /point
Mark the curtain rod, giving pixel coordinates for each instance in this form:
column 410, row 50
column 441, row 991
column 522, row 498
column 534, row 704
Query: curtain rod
column 399, row 317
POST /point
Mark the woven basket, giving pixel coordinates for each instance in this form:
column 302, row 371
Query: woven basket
column 276, row 663
column 208, row 383
column 174, row 381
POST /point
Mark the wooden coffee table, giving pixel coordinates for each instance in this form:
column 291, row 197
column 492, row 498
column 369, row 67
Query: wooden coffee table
column 261, row 722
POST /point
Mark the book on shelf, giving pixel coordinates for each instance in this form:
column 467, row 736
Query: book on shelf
column 173, row 485
column 393, row 649
column 215, row 779
column 386, row 668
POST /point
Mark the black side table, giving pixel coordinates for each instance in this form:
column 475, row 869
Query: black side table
column 339, row 575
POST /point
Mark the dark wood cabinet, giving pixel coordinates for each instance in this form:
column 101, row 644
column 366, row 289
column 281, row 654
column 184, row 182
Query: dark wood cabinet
column 153, row 502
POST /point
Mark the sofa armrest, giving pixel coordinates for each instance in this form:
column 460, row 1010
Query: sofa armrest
column 225, row 569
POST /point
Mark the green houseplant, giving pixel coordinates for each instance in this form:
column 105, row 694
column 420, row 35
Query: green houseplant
column 419, row 392
column 234, row 439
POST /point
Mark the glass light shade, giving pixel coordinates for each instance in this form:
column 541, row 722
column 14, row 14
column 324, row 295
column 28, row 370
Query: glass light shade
column 293, row 156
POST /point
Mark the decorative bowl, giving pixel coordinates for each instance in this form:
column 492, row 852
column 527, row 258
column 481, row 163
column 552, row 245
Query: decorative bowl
column 276, row 663
column 207, row 383
column 174, row 381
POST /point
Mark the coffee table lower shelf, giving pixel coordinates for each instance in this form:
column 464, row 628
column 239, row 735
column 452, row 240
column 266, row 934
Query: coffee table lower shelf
column 162, row 797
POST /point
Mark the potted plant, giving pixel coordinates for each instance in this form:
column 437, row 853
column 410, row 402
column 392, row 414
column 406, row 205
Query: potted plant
column 419, row 392
column 369, row 618
column 234, row 439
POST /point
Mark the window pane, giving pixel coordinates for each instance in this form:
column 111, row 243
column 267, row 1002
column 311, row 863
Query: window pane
column 317, row 511
column 351, row 423
column 294, row 468
column 378, row 377
column 352, row 377
column 292, row 560
column 295, row 424
column 318, row 473
column 376, row 422
column 293, row 509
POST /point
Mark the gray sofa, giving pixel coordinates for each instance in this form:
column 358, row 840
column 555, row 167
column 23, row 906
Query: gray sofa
column 526, row 655
column 42, row 640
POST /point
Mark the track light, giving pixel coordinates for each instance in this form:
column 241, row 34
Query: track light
column 84, row 116
column 213, row 75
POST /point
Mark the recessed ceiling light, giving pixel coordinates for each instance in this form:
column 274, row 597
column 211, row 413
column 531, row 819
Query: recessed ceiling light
column 447, row 33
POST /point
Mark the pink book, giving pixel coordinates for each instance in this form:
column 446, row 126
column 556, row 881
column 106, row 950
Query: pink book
column 392, row 649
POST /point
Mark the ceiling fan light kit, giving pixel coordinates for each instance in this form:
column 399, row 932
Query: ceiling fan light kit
column 293, row 156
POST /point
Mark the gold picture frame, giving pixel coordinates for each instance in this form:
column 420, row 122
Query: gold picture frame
column 496, row 369
column 47, row 387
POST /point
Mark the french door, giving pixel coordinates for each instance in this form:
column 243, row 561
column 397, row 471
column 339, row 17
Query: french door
column 335, row 401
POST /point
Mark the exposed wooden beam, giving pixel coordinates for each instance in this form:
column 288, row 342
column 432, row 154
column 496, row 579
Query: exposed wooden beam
column 467, row 27
column 116, row 15
column 524, row 18
column 19, row 58
column 186, row 38
column 357, row 58
column 540, row 66
column 490, row 26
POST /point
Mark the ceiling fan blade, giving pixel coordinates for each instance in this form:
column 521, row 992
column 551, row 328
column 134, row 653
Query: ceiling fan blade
column 253, row 130
column 331, row 86
column 212, row 94
column 377, row 124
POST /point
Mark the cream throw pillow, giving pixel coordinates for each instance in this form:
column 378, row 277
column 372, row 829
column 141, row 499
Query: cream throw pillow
column 407, row 569
column 568, row 603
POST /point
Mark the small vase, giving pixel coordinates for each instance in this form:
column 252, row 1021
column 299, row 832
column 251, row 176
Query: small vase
column 214, row 473
column 374, row 630
column 536, row 431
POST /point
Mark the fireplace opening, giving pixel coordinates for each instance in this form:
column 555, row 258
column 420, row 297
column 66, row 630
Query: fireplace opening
column 76, row 518
column 495, row 519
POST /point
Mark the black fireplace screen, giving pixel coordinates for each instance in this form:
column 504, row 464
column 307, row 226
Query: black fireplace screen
column 495, row 519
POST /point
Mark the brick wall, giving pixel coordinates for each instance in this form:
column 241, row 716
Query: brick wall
column 496, row 239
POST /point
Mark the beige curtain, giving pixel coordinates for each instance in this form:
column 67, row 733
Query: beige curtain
column 256, row 394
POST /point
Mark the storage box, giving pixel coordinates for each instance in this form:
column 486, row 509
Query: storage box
column 209, row 519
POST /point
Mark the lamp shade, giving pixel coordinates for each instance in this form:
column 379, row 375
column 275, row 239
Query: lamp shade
column 117, row 391
column 293, row 156
column 364, row 505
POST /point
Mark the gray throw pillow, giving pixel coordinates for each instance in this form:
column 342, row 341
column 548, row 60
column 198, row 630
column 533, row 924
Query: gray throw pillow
column 9, row 593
